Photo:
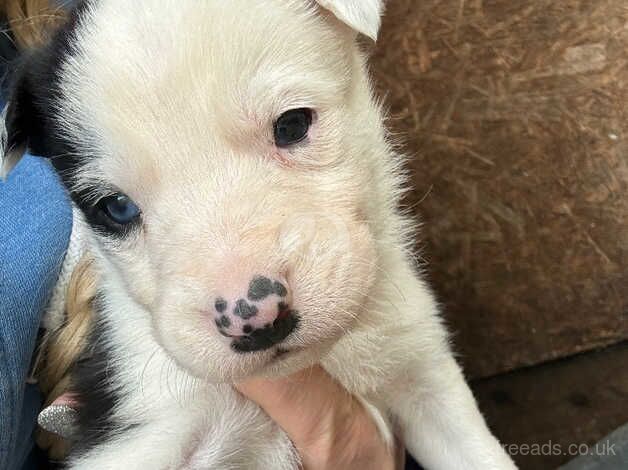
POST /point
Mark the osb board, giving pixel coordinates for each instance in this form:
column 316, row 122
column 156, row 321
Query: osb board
column 568, row 402
column 514, row 115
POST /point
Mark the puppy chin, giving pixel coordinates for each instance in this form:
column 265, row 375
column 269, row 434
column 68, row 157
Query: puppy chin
column 289, row 363
column 230, row 367
column 289, row 360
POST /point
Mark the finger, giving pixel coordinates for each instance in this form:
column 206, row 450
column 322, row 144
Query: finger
column 60, row 417
column 305, row 405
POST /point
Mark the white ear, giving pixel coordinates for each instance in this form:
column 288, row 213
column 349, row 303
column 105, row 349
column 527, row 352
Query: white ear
column 364, row 16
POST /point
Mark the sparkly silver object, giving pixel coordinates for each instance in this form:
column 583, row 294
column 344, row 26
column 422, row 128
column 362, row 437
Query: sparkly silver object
column 59, row 419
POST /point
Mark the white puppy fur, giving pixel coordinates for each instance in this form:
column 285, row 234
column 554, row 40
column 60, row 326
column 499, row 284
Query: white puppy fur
column 174, row 103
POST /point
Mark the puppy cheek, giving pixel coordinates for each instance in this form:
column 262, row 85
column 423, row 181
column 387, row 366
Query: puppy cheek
column 361, row 268
column 360, row 256
column 144, row 289
column 344, row 278
column 135, row 271
column 183, row 337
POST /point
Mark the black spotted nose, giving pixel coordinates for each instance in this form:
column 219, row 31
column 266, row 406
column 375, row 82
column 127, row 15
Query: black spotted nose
column 260, row 317
column 260, row 339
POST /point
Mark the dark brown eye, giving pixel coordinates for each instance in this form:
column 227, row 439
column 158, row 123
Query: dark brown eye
column 292, row 127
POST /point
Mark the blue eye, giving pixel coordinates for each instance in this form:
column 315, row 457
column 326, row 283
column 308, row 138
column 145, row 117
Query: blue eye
column 119, row 208
column 292, row 127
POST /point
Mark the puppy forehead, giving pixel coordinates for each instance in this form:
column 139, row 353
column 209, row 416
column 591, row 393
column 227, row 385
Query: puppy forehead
column 177, row 77
column 216, row 30
column 211, row 56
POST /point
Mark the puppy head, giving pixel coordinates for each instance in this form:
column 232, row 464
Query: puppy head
column 222, row 155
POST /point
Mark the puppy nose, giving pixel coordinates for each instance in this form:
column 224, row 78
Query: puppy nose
column 259, row 317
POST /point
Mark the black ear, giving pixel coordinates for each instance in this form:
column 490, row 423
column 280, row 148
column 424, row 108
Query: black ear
column 17, row 118
column 24, row 122
column 31, row 114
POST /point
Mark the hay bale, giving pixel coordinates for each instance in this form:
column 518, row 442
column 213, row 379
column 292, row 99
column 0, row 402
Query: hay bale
column 515, row 116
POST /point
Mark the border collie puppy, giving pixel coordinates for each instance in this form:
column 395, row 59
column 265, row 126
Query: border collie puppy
column 233, row 168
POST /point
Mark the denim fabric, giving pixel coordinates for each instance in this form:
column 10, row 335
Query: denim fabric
column 35, row 226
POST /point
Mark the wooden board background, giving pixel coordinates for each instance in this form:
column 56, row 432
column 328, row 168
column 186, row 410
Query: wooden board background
column 514, row 115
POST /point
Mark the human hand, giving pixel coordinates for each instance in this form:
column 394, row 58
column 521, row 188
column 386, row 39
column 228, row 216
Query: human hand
column 329, row 427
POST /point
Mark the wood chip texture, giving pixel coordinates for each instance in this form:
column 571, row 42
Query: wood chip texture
column 513, row 114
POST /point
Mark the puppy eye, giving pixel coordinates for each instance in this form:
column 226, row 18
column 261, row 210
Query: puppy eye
column 119, row 208
column 292, row 126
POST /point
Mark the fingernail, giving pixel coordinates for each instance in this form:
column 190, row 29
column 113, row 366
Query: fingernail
column 59, row 419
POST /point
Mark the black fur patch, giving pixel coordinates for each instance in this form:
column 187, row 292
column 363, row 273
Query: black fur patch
column 35, row 94
column 34, row 106
column 91, row 382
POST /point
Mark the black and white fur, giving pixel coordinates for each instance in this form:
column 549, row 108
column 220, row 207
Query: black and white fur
column 172, row 102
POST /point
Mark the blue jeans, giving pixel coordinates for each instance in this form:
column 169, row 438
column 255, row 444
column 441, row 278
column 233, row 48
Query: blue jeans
column 35, row 226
